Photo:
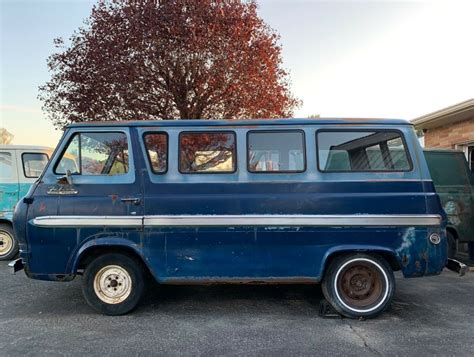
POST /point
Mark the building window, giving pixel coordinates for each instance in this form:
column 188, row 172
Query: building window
column 33, row 164
column 343, row 150
column 207, row 152
column 157, row 150
column 276, row 151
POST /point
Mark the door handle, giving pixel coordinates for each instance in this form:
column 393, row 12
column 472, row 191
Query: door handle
column 136, row 201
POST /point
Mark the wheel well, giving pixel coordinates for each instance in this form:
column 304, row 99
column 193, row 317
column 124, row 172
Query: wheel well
column 91, row 253
column 389, row 257
column 5, row 221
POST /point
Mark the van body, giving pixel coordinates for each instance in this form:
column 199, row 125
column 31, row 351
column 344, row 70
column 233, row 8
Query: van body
column 20, row 166
column 342, row 202
column 454, row 184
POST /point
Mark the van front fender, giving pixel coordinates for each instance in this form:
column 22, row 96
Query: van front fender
column 111, row 243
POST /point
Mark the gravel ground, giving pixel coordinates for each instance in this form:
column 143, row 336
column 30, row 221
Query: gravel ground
column 429, row 316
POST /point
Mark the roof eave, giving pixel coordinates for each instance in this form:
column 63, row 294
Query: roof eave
column 455, row 113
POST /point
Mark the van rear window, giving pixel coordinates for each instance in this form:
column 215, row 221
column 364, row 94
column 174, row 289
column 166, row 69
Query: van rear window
column 207, row 152
column 344, row 150
column 157, row 150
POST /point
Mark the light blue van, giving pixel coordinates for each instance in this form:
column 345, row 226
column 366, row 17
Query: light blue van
column 20, row 166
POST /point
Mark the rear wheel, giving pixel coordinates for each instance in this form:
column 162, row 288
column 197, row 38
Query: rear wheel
column 113, row 284
column 359, row 285
column 8, row 243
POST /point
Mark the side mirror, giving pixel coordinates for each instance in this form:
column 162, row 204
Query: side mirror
column 66, row 179
column 69, row 177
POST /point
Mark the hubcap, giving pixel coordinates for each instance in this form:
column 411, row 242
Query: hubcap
column 6, row 243
column 112, row 284
column 361, row 285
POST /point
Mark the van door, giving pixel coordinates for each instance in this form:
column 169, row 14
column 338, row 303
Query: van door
column 182, row 195
column 89, row 192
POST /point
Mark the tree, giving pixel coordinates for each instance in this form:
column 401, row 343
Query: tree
column 168, row 59
column 5, row 136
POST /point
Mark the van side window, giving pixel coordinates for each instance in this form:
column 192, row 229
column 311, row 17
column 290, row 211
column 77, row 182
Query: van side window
column 156, row 145
column 207, row 152
column 362, row 151
column 33, row 164
column 276, row 151
column 95, row 154
column 6, row 165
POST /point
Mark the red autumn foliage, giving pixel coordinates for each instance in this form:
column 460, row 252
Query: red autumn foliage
column 168, row 59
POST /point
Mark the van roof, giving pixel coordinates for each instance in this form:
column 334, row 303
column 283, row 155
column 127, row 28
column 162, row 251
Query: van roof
column 25, row 147
column 248, row 122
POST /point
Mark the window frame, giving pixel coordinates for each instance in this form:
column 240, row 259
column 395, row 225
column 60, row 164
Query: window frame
column 71, row 138
column 399, row 132
column 148, row 132
column 277, row 131
column 235, row 164
column 23, row 162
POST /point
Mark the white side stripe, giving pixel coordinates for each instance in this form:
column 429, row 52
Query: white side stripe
column 88, row 221
column 240, row 220
column 293, row 220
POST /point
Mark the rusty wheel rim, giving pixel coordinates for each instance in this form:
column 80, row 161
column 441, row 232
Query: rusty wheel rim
column 361, row 285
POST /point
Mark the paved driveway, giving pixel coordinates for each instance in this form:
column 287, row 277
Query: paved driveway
column 429, row 316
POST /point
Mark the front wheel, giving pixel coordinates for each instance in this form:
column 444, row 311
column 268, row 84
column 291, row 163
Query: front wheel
column 8, row 243
column 359, row 285
column 113, row 284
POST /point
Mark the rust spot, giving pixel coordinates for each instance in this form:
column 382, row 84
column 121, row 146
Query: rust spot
column 42, row 207
column 114, row 198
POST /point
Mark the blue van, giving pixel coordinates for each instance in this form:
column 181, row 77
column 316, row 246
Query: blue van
column 20, row 166
column 341, row 202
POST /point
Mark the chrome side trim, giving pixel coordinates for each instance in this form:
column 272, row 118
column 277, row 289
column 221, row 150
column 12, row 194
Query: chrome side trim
column 241, row 220
column 88, row 221
column 292, row 220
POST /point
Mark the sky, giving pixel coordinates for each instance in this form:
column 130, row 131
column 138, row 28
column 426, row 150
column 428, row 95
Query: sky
column 385, row 59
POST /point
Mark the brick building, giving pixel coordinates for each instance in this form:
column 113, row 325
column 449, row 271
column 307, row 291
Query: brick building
column 450, row 128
